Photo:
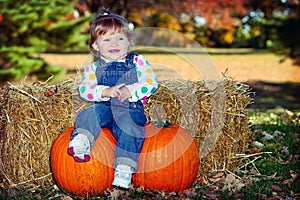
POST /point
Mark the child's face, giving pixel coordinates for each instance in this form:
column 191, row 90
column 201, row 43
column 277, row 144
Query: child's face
column 112, row 45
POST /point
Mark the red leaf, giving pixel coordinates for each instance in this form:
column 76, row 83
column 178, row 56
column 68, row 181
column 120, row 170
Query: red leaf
column 211, row 196
column 239, row 196
column 288, row 182
column 49, row 93
column 277, row 188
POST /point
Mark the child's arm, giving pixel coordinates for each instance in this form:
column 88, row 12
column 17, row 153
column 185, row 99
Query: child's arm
column 88, row 88
column 147, row 80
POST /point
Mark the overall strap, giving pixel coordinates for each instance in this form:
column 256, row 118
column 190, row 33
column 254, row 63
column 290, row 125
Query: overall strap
column 129, row 59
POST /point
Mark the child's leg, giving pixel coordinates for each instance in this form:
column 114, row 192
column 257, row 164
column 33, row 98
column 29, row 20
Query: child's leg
column 86, row 130
column 129, row 130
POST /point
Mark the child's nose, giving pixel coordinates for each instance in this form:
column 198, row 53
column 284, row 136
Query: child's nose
column 114, row 42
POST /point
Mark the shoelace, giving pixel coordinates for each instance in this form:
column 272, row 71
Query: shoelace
column 82, row 144
column 123, row 174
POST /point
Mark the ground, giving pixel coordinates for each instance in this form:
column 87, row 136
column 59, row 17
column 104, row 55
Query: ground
column 274, row 83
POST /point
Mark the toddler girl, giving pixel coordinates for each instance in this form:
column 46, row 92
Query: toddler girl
column 118, row 82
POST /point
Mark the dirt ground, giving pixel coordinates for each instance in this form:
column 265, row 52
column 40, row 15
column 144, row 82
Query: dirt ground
column 275, row 83
column 241, row 67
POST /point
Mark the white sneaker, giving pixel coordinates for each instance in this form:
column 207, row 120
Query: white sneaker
column 122, row 176
column 79, row 148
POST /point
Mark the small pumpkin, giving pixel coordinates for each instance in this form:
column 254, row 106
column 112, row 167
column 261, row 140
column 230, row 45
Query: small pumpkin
column 85, row 178
column 169, row 159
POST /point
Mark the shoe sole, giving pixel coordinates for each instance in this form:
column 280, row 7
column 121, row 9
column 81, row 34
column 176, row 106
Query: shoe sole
column 121, row 186
column 86, row 157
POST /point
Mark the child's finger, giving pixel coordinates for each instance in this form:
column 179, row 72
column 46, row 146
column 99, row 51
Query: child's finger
column 120, row 85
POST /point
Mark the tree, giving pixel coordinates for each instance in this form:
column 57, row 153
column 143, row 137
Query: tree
column 29, row 27
column 209, row 22
column 200, row 20
column 275, row 25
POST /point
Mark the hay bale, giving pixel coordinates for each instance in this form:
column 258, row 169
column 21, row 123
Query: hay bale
column 30, row 121
column 217, row 119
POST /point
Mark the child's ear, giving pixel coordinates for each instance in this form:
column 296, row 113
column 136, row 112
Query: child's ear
column 95, row 46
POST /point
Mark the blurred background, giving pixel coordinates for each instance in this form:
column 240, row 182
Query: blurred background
column 257, row 40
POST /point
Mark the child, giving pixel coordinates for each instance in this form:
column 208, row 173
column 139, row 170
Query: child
column 117, row 82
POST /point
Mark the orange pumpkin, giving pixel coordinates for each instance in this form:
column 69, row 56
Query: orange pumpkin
column 169, row 159
column 85, row 178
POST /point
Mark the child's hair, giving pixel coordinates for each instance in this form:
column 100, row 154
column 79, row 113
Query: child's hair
column 106, row 21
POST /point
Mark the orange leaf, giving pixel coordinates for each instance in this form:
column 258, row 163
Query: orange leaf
column 218, row 175
column 203, row 180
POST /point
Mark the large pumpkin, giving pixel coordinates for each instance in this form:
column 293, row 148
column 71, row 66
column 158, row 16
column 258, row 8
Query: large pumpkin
column 169, row 159
column 84, row 178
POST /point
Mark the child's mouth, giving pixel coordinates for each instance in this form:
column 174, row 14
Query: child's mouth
column 114, row 51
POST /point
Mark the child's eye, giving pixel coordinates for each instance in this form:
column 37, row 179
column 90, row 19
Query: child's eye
column 121, row 38
column 106, row 40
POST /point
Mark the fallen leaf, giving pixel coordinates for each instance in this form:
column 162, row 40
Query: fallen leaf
column 232, row 183
column 203, row 180
column 277, row 188
column 288, row 182
column 258, row 144
column 239, row 196
column 190, row 194
column 218, row 175
column 65, row 197
column 216, row 180
column 285, row 150
column 278, row 133
column 213, row 188
column 297, row 136
column 211, row 196
column 275, row 195
column 230, row 178
column 49, row 93
column 267, row 136
column 293, row 175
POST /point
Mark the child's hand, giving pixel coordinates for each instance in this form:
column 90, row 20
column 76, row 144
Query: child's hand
column 113, row 91
column 125, row 94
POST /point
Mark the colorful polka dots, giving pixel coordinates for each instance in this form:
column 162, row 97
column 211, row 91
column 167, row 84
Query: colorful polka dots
column 146, row 85
column 144, row 89
column 149, row 71
column 90, row 96
column 92, row 77
column 149, row 80
column 139, row 73
column 153, row 90
column 82, row 89
column 141, row 63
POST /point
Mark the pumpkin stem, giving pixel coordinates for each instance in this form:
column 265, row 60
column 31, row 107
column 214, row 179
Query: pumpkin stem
column 162, row 124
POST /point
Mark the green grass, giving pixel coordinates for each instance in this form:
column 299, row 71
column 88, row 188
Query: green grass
column 273, row 171
column 276, row 167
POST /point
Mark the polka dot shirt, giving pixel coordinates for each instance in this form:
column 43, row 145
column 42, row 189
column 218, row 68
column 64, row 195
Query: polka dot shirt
column 147, row 81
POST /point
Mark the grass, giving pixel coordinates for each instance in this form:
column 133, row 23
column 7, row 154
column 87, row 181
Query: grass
column 277, row 132
column 271, row 173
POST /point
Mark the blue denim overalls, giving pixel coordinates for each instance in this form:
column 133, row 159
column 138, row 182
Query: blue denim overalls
column 126, row 119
